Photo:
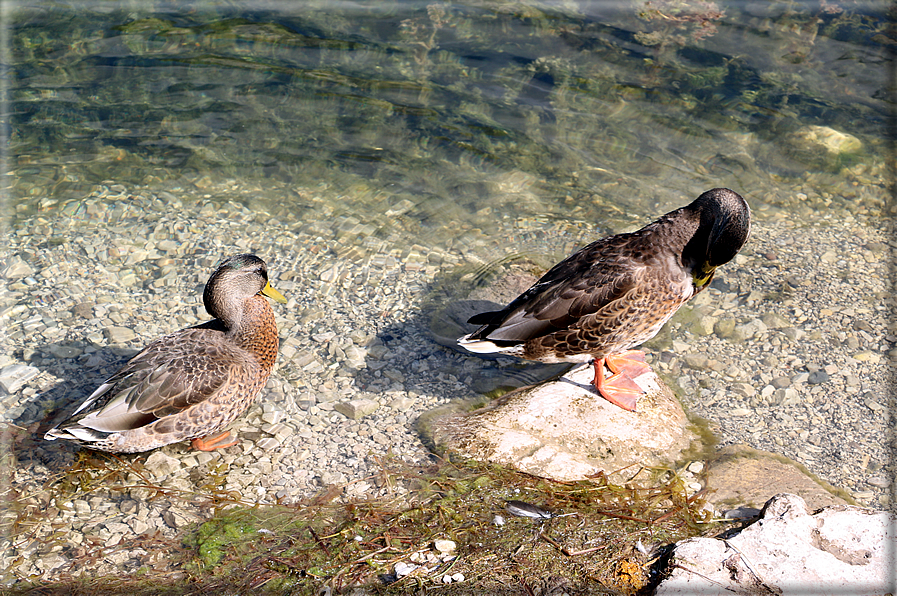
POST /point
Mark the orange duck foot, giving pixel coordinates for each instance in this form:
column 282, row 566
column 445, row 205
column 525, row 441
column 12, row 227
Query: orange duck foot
column 619, row 388
column 212, row 443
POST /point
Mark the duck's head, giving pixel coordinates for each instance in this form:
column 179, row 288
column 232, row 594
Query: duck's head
column 237, row 279
column 724, row 226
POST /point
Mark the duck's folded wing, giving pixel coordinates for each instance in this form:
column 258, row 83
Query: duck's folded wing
column 162, row 381
column 564, row 295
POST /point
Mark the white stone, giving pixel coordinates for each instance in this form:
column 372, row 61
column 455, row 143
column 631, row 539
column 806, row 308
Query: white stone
column 356, row 409
column 839, row 550
column 444, row 546
column 402, row 569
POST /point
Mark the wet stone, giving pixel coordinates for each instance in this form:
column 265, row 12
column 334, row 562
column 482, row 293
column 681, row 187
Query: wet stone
column 15, row 376
column 267, row 443
column 128, row 506
column 817, row 377
column 83, row 310
column 158, row 464
column 775, row 321
column 17, row 270
column 119, row 335
column 781, row 382
column 704, row 325
column 65, row 352
column 697, row 361
column 743, row 389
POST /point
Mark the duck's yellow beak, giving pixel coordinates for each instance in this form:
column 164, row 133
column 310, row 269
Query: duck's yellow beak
column 270, row 292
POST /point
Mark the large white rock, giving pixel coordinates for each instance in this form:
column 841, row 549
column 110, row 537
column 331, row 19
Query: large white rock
column 840, row 550
column 565, row 431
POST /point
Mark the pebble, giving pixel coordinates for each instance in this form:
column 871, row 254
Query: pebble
column 402, row 569
column 781, row 382
column 18, row 269
column 743, row 389
column 444, row 546
column 696, row 467
column 16, row 376
column 65, row 352
column 817, row 377
column 878, row 481
column 357, row 408
column 119, row 335
column 159, row 464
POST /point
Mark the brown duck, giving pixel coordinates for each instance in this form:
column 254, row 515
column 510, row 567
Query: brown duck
column 194, row 382
column 617, row 293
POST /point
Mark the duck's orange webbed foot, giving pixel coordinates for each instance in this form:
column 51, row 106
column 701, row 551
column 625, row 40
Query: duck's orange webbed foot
column 619, row 388
column 212, row 443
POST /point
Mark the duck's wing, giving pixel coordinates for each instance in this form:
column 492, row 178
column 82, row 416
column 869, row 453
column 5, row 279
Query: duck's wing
column 167, row 377
column 586, row 282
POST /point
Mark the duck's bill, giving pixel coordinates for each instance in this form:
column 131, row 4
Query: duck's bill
column 270, row 292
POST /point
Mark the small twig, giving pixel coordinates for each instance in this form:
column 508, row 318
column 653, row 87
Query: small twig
column 369, row 555
column 320, row 542
column 565, row 550
column 746, row 563
column 621, row 516
column 713, row 581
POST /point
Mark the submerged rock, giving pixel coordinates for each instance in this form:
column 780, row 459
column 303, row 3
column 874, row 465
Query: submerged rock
column 823, row 147
column 837, row 550
column 746, row 478
column 565, row 431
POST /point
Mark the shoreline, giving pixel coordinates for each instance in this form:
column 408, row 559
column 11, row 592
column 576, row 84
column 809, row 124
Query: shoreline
column 791, row 350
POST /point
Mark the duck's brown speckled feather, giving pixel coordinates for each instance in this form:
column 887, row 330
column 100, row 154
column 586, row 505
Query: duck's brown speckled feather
column 617, row 292
column 190, row 383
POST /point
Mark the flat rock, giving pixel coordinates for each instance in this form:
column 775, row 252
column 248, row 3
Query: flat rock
column 743, row 477
column 119, row 335
column 839, row 549
column 356, row 409
column 158, row 464
column 15, row 376
column 564, row 431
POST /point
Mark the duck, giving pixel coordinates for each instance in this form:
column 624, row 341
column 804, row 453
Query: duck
column 190, row 384
column 616, row 293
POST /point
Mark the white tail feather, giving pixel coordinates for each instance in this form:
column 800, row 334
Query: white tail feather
column 484, row 346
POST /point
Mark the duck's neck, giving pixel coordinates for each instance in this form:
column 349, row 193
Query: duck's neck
column 256, row 331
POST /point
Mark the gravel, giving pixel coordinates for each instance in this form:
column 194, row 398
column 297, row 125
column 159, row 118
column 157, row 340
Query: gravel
column 790, row 351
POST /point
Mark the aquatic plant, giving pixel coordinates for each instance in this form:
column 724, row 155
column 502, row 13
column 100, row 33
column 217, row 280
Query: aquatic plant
column 677, row 23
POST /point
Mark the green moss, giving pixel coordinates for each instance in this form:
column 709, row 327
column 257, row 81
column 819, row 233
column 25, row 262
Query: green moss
column 214, row 537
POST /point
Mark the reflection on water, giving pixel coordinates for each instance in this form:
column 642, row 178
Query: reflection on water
column 619, row 102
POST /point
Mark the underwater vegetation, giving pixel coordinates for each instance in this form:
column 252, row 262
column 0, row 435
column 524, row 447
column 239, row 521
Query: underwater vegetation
column 142, row 94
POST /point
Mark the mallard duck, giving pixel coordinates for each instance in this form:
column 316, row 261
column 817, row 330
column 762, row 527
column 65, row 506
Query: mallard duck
column 616, row 293
column 191, row 383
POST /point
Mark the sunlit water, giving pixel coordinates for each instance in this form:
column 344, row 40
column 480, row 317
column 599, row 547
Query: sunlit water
column 611, row 103
column 423, row 123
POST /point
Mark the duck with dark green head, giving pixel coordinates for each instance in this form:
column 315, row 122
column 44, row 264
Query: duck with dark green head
column 617, row 293
column 192, row 383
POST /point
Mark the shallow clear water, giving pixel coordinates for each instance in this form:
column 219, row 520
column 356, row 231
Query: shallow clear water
column 619, row 105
